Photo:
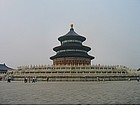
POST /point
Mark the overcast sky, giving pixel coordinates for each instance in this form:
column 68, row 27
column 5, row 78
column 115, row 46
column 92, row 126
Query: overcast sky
column 29, row 29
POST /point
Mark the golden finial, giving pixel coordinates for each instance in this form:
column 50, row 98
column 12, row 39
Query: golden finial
column 71, row 25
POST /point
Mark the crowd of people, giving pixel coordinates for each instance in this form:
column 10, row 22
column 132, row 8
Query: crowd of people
column 33, row 80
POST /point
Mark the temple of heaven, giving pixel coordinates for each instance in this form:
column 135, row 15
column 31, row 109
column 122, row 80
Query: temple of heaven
column 71, row 51
column 73, row 63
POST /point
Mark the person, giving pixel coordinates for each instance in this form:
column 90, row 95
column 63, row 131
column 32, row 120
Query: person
column 47, row 79
column 25, row 80
column 9, row 79
column 33, row 81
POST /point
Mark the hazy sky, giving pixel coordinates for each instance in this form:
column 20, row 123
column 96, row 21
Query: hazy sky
column 29, row 30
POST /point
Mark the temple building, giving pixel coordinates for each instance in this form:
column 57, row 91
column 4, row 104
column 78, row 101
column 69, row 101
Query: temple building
column 4, row 69
column 73, row 63
column 71, row 51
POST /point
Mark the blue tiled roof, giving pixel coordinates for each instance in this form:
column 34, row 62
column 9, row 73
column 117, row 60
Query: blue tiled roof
column 3, row 67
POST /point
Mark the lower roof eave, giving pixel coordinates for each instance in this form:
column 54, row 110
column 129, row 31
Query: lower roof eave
column 89, row 57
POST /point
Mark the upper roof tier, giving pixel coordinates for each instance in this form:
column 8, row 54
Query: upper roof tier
column 71, row 35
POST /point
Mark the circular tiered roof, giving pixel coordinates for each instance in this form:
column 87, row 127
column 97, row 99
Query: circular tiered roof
column 71, row 46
